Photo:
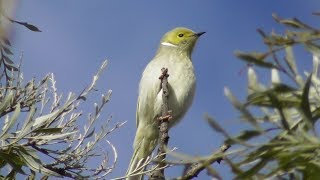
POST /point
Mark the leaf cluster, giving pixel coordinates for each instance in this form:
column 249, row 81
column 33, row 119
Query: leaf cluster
column 37, row 125
column 283, row 139
column 42, row 133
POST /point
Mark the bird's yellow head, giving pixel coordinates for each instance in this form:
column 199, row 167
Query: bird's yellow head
column 182, row 39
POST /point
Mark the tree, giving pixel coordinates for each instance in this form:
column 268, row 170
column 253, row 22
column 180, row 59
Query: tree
column 41, row 134
column 282, row 141
column 286, row 125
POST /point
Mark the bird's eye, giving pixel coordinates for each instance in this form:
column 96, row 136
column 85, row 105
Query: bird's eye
column 180, row 35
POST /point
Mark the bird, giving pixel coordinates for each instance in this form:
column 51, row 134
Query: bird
column 174, row 53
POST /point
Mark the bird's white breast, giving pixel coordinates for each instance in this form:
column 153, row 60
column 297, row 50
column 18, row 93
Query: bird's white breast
column 181, row 88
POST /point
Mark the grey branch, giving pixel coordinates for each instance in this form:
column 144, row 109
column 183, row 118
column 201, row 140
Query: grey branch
column 196, row 168
column 163, row 127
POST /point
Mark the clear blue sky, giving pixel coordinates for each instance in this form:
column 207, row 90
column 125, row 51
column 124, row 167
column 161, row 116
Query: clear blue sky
column 78, row 35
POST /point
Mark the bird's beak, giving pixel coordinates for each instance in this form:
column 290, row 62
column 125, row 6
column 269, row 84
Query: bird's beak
column 199, row 33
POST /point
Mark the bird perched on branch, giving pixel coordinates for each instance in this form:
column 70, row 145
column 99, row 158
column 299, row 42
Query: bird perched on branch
column 174, row 53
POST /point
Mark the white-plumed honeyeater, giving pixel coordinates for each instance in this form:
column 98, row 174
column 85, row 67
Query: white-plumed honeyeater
column 174, row 53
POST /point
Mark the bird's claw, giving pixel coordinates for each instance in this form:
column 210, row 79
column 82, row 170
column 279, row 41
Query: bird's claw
column 164, row 73
column 167, row 117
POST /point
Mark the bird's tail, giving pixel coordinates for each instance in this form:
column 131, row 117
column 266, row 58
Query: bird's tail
column 141, row 155
column 145, row 141
column 136, row 166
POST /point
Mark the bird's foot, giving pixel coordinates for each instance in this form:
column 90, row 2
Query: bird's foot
column 164, row 73
column 167, row 117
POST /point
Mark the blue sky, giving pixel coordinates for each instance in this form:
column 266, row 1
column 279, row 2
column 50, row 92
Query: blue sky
column 78, row 35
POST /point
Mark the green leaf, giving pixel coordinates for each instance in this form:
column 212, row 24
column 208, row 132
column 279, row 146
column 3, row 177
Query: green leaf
column 212, row 172
column 244, row 136
column 295, row 23
column 45, row 118
column 235, row 168
column 7, row 50
column 26, row 126
column 276, row 103
column 216, row 126
column 254, row 170
column 312, row 47
column 34, row 163
column 27, row 123
column 13, row 160
column 253, row 83
column 27, row 25
column 6, row 102
column 282, row 88
column 311, row 171
column 48, row 130
column 90, row 134
column 6, row 41
column 283, row 92
column 316, row 113
column 305, row 106
column 57, row 136
column 11, row 67
column 7, row 60
column 255, row 58
column 247, row 115
column 258, row 99
column 11, row 122
column 278, row 40
column 290, row 60
column 44, row 177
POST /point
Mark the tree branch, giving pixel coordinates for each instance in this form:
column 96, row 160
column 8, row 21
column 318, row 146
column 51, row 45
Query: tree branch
column 163, row 127
column 196, row 168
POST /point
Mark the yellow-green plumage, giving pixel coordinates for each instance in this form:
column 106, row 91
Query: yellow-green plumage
column 174, row 53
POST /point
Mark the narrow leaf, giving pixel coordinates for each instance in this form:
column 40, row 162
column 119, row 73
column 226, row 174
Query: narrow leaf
column 7, row 60
column 7, row 50
column 247, row 115
column 29, row 26
column 276, row 103
column 35, row 164
column 254, row 170
column 26, row 126
column 244, row 136
column 12, row 120
column 290, row 60
column 305, row 106
column 6, row 102
column 216, row 126
column 6, row 41
column 11, row 67
column 13, row 160
column 278, row 40
column 90, row 134
column 57, row 136
column 312, row 47
column 295, row 23
column 255, row 58
column 42, row 119
column 48, row 130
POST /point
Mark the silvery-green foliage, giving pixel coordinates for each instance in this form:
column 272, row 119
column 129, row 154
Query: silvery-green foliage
column 283, row 140
column 41, row 132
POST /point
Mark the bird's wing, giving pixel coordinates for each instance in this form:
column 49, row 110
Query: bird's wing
column 137, row 114
column 148, row 92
